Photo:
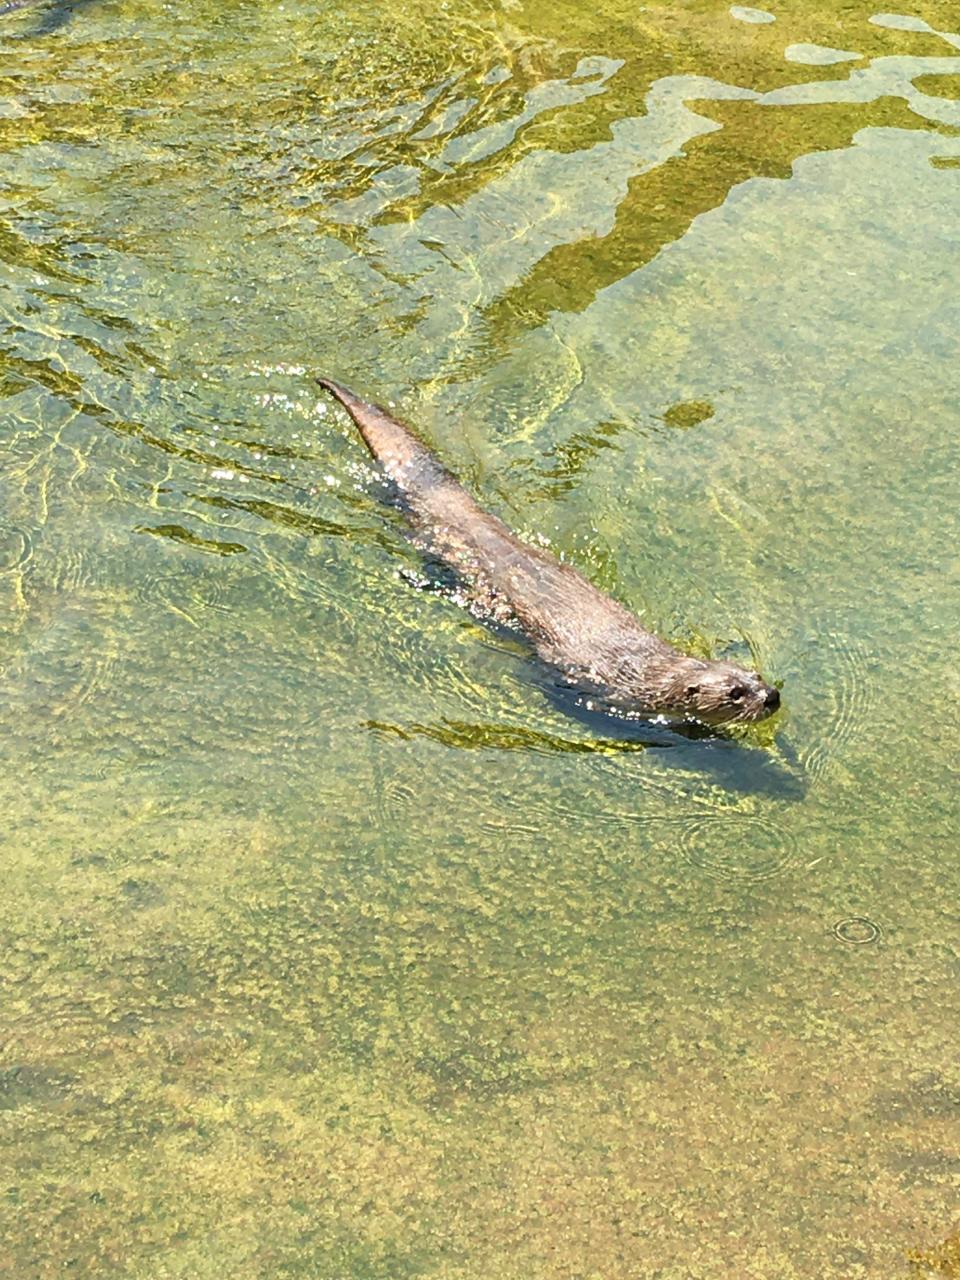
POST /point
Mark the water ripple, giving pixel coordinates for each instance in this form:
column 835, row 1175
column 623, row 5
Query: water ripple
column 849, row 693
column 16, row 548
column 737, row 847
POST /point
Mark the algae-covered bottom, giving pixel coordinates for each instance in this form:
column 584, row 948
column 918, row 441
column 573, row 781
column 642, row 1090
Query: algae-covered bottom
column 334, row 945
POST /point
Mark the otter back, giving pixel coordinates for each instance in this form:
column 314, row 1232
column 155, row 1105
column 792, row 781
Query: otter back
column 595, row 642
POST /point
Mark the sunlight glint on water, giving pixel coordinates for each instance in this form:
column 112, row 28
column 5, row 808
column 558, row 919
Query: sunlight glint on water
column 336, row 945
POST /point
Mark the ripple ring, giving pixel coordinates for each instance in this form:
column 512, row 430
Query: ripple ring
column 858, row 931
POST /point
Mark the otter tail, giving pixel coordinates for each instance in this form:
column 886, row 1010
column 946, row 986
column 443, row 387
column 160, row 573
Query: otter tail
column 406, row 460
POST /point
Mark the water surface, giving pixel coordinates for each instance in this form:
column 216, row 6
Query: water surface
column 336, row 946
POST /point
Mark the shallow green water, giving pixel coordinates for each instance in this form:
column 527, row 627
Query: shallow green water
column 332, row 946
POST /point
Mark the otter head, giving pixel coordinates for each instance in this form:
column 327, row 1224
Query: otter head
column 721, row 693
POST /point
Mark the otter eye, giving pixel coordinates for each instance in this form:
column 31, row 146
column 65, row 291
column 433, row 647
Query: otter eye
column 737, row 692
column 692, row 690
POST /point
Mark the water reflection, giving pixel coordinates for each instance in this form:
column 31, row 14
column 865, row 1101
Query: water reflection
column 664, row 296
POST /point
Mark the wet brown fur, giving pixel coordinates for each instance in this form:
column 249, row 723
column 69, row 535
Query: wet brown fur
column 596, row 644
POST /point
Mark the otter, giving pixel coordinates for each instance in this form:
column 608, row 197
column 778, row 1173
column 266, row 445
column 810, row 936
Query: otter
column 595, row 644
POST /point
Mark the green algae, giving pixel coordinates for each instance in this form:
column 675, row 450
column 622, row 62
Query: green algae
column 688, row 414
column 333, row 945
column 942, row 1259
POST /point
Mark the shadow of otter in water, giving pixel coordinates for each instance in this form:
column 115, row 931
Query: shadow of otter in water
column 726, row 763
column 690, row 804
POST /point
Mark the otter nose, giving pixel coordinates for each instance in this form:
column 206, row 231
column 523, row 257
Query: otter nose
column 772, row 700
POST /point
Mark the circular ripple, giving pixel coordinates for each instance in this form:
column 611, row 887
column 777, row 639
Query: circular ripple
column 183, row 594
column 851, row 694
column 398, row 798
column 857, row 930
column 74, row 568
column 66, row 660
column 85, row 671
column 737, row 847
column 15, row 548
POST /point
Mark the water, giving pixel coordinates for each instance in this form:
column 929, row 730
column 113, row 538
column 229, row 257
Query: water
column 334, row 945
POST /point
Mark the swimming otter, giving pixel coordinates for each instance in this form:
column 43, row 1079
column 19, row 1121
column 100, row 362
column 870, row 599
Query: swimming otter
column 596, row 644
